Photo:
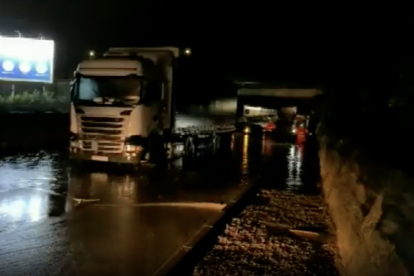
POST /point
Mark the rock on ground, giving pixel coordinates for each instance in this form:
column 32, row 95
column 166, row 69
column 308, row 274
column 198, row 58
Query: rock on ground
column 249, row 246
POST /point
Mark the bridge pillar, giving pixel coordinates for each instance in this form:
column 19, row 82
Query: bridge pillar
column 240, row 106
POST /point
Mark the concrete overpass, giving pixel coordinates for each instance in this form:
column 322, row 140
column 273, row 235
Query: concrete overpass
column 274, row 95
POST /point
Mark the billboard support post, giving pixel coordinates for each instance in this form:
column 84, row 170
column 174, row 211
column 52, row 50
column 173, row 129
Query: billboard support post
column 13, row 88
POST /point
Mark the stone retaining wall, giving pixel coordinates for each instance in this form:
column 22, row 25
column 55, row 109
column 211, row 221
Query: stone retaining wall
column 372, row 208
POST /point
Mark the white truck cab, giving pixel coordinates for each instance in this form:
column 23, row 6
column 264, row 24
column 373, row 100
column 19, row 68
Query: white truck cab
column 118, row 100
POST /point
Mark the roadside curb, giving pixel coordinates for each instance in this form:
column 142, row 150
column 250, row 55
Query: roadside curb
column 187, row 257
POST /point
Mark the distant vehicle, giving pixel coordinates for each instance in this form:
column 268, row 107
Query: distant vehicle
column 259, row 123
column 270, row 127
column 300, row 120
column 286, row 130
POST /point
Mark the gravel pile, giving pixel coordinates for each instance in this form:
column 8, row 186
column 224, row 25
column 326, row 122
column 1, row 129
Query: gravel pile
column 259, row 241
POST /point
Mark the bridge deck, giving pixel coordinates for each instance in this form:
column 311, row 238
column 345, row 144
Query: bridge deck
column 280, row 92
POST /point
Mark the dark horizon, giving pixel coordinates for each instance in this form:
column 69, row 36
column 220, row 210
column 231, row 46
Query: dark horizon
column 303, row 45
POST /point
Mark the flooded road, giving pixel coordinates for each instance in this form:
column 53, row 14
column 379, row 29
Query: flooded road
column 58, row 219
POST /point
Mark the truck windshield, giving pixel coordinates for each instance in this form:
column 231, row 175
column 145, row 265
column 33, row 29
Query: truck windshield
column 108, row 90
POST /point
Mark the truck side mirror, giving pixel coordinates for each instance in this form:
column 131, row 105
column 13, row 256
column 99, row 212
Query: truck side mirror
column 72, row 88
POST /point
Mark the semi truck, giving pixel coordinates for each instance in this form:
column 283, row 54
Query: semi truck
column 122, row 99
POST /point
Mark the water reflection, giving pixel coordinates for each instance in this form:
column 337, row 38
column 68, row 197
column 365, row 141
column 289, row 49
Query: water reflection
column 25, row 171
column 32, row 187
column 162, row 185
column 127, row 190
column 245, row 155
column 268, row 145
column 294, row 166
column 22, row 206
column 29, row 193
column 35, row 208
column 118, row 230
column 58, row 188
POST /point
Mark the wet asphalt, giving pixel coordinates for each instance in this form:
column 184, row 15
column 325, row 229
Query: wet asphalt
column 59, row 218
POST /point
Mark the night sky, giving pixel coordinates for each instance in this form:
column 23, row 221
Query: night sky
column 267, row 41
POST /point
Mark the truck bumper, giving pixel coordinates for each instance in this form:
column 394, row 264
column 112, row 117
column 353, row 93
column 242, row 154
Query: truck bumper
column 108, row 158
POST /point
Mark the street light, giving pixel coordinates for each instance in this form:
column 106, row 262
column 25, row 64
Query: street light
column 187, row 51
column 91, row 54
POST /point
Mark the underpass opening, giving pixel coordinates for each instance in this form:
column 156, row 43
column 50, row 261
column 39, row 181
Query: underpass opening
column 278, row 104
column 276, row 96
column 302, row 105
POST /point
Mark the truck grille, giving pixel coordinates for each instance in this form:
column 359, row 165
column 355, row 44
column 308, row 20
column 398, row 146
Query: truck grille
column 102, row 134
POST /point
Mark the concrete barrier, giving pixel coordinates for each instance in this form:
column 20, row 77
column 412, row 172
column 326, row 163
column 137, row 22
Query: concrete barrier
column 372, row 207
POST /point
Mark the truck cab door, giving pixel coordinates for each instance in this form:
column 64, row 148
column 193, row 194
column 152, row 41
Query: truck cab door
column 153, row 104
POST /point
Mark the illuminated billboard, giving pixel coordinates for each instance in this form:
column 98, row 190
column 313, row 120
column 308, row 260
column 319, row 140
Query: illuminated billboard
column 26, row 59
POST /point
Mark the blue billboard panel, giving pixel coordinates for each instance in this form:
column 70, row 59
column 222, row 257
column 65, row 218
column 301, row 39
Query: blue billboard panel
column 26, row 59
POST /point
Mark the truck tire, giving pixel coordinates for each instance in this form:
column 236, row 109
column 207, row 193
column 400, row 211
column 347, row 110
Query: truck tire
column 214, row 145
column 189, row 148
column 156, row 149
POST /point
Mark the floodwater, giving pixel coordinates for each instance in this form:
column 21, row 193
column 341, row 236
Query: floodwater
column 59, row 219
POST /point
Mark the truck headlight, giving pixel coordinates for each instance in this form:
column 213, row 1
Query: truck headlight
column 132, row 149
column 75, row 144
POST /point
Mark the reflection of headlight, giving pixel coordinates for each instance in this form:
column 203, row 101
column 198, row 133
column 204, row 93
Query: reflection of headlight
column 247, row 129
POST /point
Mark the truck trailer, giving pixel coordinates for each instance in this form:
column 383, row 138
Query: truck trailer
column 121, row 100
